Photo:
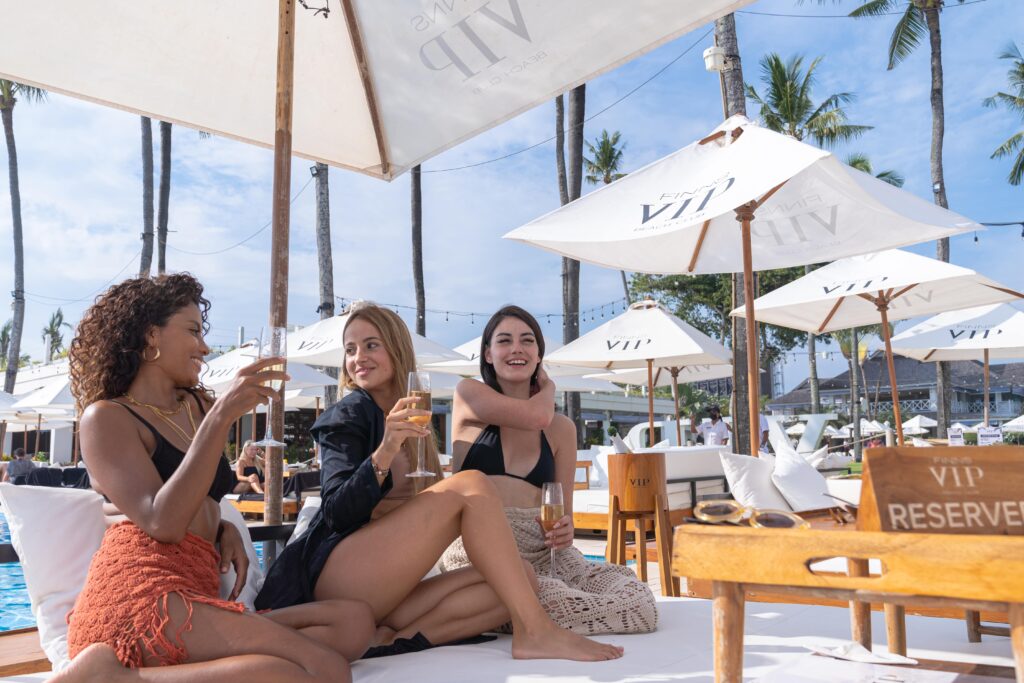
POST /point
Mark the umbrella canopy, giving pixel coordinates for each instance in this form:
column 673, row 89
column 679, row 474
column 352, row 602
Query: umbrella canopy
column 646, row 335
column 864, row 290
column 797, row 429
column 663, row 376
column 221, row 371
column 54, row 393
column 1014, row 425
column 568, row 376
column 922, row 422
column 979, row 333
column 321, row 344
column 379, row 86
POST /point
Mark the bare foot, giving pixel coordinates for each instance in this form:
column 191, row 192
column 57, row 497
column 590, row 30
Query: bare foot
column 95, row 663
column 558, row 643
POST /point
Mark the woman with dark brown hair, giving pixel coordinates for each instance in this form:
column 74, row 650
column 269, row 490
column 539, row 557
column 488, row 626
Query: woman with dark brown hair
column 153, row 441
column 376, row 535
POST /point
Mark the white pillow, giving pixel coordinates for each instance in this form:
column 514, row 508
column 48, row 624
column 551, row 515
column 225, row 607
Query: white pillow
column 750, row 481
column 920, row 443
column 816, row 458
column 306, row 514
column 801, row 485
column 599, row 467
column 55, row 532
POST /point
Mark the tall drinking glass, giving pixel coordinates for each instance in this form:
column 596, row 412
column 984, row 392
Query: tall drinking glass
column 277, row 346
column 419, row 388
column 552, row 509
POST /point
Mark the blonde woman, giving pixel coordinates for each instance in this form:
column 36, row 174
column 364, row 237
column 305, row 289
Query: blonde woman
column 249, row 469
column 376, row 536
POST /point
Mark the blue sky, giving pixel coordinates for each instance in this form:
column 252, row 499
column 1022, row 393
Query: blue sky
column 81, row 182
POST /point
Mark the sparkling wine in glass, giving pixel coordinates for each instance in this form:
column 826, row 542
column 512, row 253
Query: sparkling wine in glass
column 277, row 346
column 552, row 509
column 419, row 388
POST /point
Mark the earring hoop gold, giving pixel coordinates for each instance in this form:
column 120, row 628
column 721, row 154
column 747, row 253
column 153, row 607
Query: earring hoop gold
column 150, row 360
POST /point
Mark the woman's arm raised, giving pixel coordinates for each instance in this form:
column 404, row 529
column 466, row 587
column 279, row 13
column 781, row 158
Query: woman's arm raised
column 476, row 402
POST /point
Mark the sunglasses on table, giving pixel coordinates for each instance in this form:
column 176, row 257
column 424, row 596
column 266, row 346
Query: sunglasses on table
column 733, row 512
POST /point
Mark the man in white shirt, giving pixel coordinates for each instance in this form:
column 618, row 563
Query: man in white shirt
column 716, row 432
column 763, row 446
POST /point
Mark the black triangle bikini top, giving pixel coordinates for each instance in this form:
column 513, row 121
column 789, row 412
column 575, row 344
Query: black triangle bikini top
column 487, row 456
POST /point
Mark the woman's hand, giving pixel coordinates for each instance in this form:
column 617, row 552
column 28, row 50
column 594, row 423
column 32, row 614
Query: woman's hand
column 561, row 535
column 397, row 429
column 249, row 389
column 232, row 552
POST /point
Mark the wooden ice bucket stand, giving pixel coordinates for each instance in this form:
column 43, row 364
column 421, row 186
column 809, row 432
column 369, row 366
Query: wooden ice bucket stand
column 637, row 492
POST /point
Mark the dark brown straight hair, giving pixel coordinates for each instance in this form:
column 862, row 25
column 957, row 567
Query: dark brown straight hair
column 487, row 372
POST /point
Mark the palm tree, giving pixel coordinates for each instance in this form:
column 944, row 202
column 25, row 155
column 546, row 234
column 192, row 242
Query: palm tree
column 862, row 163
column 417, row 251
column 146, row 256
column 163, row 205
column 1014, row 101
column 788, row 107
column 52, row 335
column 5, row 342
column 10, row 93
column 603, row 167
column 325, row 259
column 920, row 18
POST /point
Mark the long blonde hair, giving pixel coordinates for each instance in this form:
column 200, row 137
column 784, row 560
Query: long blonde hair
column 398, row 343
column 257, row 460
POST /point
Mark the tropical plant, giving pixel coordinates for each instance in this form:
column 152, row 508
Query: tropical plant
column 862, row 163
column 146, row 255
column 603, row 167
column 10, row 94
column 52, row 335
column 5, row 342
column 1014, row 102
column 788, row 107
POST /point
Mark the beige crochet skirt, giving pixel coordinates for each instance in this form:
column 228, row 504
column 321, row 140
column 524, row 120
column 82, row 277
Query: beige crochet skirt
column 587, row 597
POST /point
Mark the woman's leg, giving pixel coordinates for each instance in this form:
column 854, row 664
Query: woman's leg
column 221, row 645
column 363, row 566
column 344, row 626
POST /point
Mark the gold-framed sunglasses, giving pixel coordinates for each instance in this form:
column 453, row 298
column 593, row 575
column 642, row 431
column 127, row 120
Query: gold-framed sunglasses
column 732, row 512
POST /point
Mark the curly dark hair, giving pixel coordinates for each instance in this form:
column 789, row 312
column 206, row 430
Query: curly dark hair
column 106, row 353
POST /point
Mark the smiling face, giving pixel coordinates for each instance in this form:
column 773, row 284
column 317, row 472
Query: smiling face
column 367, row 362
column 513, row 351
column 181, row 345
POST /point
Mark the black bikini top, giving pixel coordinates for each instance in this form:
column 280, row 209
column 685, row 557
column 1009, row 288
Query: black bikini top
column 487, row 456
column 167, row 457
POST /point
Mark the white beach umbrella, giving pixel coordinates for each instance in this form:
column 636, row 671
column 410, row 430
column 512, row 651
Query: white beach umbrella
column 918, row 425
column 663, row 377
column 797, row 429
column 979, row 333
column 865, row 290
column 568, row 377
column 53, row 393
column 221, row 371
column 742, row 199
column 645, row 336
column 1014, row 425
column 321, row 344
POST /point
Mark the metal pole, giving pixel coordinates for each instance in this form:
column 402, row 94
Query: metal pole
column 986, row 387
column 650, row 402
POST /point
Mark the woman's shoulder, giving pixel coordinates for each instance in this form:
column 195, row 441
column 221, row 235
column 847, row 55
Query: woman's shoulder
column 562, row 429
column 105, row 412
column 356, row 404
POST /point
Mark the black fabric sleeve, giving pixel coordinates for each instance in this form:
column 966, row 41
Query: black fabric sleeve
column 349, row 488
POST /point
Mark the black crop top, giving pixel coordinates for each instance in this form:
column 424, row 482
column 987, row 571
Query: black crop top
column 167, row 457
column 487, row 456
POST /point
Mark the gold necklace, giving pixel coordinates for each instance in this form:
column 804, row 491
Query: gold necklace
column 177, row 429
column 156, row 409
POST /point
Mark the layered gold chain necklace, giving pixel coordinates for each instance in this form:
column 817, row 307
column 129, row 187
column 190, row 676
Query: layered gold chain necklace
column 166, row 416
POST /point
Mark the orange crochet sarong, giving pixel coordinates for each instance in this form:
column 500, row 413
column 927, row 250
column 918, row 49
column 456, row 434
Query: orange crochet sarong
column 124, row 601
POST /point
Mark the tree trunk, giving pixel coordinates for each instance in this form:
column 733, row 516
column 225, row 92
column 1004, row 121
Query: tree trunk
column 625, row 287
column 571, row 267
column 417, row 251
column 943, row 381
column 325, row 262
column 146, row 258
column 855, row 393
column 563, row 186
column 164, row 204
column 734, row 102
column 867, row 396
column 18, row 320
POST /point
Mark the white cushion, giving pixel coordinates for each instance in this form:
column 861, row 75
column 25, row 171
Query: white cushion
column 920, row 443
column 55, row 532
column 750, row 481
column 599, row 467
column 817, row 458
column 801, row 485
column 306, row 514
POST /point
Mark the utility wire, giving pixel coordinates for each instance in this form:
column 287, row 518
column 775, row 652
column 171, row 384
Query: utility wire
column 843, row 16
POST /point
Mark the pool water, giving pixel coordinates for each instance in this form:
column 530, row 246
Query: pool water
column 15, row 611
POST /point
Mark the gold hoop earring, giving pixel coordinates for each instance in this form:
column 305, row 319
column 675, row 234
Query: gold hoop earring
column 150, row 360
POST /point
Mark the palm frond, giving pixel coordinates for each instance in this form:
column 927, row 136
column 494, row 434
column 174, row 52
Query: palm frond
column 1011, row 51
column 830, row 128
column 1012, row 144
column 873, row 8
column 859, row 161
column 1017, row 171
column 894, row 178
column 906, row 36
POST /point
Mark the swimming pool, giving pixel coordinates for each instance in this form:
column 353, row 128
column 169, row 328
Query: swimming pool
column 15, row 611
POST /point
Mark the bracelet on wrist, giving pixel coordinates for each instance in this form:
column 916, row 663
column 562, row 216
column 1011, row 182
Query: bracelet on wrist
column 379, row 471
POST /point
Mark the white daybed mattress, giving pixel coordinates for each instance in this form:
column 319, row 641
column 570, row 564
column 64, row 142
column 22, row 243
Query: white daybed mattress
column 679, row 650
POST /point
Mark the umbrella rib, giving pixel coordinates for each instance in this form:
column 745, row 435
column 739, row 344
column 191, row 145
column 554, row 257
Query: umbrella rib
column 930, row 354
column 890, row 297
column 831, row 313
column 364, row 76
column 712, row 137
column 1007, row 291
column 768, row 194
column 700, row 243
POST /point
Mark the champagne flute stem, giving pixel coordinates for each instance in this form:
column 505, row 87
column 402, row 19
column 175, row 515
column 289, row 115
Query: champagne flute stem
column 420, row 465
column 552, row 570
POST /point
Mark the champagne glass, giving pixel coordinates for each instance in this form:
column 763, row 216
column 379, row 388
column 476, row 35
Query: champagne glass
column 552, row 509
column 419, row 388
column 276, row 347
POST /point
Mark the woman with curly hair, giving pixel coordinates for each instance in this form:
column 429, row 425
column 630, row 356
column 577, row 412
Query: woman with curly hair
column 152, row 439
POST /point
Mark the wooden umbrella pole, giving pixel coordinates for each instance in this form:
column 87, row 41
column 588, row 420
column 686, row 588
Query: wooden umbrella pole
column 675, row 401
column 986, row 388
column 252, row 427
column 650, row 402
column 39, row 428
column 745, row 215
column 3, row 435
column 883, row 308
column 316, row 446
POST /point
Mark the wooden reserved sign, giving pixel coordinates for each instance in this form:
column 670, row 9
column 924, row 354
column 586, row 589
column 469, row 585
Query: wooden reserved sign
column 944, row 490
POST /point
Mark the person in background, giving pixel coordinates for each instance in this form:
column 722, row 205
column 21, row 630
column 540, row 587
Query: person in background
column 716, row 432
column 249, row 469
column 763, row 446
column 21, row 464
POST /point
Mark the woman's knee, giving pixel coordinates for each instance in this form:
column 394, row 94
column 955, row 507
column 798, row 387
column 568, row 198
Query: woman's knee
column 472, row 482
column 326, row 665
